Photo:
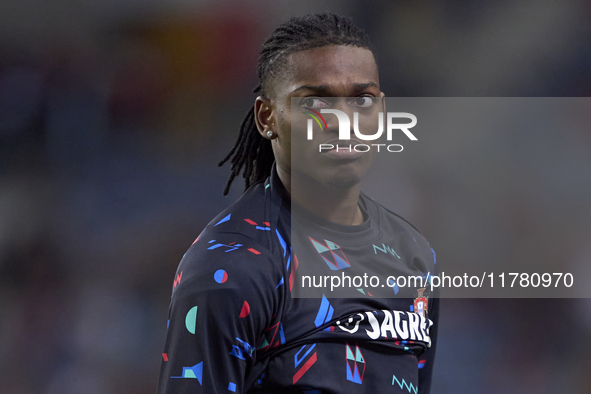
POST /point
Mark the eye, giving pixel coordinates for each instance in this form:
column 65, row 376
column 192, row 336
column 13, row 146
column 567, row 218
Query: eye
column 363, row 101
column 314, row 102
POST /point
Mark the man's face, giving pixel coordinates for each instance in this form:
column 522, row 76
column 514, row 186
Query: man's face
column 313, row 79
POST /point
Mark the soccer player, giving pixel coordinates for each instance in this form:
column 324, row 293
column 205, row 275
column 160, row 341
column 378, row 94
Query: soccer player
column 233, row 323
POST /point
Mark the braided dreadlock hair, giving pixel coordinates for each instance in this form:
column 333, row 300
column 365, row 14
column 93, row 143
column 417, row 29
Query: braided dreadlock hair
column 252, row 153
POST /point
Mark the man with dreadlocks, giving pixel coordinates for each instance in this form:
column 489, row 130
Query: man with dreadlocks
column 234, row 324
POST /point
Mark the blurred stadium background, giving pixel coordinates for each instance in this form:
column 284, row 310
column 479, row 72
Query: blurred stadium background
column 114, row 114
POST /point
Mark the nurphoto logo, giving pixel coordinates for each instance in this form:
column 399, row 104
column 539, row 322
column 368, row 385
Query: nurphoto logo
column 344, row 122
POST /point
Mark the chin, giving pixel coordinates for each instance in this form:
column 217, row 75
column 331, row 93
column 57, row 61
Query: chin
column 343, row 181
column 335, row 179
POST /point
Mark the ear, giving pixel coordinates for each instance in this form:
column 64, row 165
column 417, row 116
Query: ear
column 264, row 112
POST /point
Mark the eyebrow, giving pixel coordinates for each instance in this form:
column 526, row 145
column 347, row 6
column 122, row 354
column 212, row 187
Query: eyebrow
column 325, row 89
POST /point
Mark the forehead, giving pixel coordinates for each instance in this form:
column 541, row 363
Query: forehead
column 336, row 67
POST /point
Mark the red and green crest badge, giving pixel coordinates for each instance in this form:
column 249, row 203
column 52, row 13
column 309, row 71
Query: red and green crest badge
column 421, row 303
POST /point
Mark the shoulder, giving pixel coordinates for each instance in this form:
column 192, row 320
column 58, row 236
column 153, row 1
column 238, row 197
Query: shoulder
column 250, row 225
column 392, row 222
column 240, row 246
column 389, row 215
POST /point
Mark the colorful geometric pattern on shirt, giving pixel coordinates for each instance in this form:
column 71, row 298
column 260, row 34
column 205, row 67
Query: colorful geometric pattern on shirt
column 311, row 334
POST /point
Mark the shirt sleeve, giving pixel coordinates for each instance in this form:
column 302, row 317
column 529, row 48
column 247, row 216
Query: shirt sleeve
column 428, row 357
column 224, row 296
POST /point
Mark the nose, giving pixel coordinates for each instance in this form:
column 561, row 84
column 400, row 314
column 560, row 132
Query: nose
column 342, row 118
column 338, row 120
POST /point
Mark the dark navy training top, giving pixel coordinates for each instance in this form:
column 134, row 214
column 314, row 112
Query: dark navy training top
column 235, row 325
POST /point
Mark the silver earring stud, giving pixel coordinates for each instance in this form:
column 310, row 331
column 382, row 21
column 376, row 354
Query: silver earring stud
column 270, row 133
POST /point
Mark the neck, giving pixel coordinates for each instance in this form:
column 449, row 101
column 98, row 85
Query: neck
column 337, row 205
